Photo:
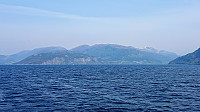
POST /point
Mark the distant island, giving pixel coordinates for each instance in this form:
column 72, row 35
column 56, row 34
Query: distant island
column 85, row 54
column 191, row 58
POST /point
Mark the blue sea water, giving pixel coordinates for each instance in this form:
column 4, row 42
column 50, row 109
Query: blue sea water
column 113, row 88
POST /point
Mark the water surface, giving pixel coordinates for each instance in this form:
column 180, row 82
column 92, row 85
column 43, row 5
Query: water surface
column 99, row 88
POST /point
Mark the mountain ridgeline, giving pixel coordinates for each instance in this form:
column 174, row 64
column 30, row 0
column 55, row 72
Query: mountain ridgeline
column 117, row 54
column 96, row 54
column 59, row 58
column 191, row 58
column 10, row 59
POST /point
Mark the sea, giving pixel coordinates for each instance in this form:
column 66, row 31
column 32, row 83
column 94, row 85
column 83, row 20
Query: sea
column 100, row 88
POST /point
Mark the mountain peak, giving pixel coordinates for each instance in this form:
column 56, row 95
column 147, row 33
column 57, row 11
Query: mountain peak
column 151, row 49
column 24, row 54
column 80, row 48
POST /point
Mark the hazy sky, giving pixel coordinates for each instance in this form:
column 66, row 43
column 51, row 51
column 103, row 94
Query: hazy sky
column 172, row 25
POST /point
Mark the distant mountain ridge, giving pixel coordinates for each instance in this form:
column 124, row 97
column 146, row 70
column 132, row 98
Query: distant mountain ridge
column 118, row 54
column 162, row 52
column 59, row 58
column 85, row 54
column 9, row 59
column 191, row 58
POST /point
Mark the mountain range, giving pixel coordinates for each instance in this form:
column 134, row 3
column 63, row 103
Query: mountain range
column 117, row 54
column 85, row 54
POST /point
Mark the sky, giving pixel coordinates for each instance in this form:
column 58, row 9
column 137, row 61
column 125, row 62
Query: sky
column 171, row 25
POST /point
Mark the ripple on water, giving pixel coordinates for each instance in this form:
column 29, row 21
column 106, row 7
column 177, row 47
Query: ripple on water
column 99, row 88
